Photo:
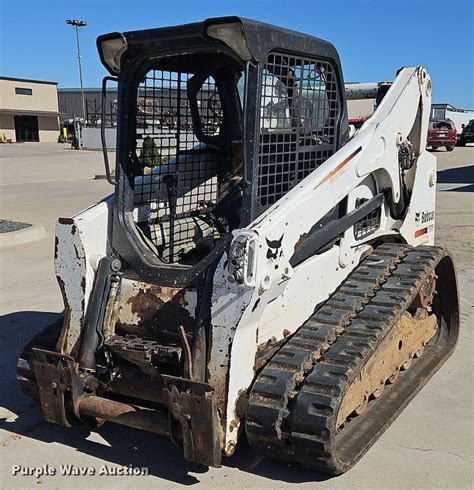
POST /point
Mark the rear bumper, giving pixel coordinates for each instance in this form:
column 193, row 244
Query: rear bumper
column 184, row 410
column 441, row 142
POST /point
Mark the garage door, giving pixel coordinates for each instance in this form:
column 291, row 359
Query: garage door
column 26, row 128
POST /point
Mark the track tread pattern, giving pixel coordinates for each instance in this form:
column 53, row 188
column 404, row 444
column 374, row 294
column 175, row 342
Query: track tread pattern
column 295, row 414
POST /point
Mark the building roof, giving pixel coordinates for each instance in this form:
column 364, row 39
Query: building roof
column 450, row 106
column 86, row 89
column 14, row 79
column 27, row 112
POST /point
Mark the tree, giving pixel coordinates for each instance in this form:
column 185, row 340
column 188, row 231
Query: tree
column 150, row 155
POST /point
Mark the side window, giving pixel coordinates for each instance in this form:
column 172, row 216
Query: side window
column 275, row 111
column 240, row 89
column 314, row 97
column 299, row 111
column 209, row 107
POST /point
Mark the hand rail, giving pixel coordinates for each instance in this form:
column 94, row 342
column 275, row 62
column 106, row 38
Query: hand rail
column 110, row 179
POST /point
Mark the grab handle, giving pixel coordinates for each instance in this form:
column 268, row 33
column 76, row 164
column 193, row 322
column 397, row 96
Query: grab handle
column 110, row 179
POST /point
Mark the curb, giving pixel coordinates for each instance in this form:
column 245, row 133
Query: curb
column 20, row 237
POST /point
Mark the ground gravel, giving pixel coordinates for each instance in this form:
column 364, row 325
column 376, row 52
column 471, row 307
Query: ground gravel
column 6, row 226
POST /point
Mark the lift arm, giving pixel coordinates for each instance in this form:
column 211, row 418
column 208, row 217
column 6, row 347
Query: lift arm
column 402, row 115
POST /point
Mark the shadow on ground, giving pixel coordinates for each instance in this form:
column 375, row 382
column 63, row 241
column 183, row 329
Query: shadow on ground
column 462, row 188
column 123, row 445
column 458, row 175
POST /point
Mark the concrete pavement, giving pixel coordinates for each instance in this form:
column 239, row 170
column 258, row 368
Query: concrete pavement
column 429, row 445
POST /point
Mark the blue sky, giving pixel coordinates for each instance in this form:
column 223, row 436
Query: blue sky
column 374, row 37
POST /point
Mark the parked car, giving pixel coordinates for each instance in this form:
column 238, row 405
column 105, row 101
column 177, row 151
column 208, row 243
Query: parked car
column 441, row 132
column 467, row 135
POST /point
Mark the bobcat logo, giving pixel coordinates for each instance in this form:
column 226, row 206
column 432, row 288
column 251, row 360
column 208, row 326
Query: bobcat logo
column 424, row 216
column 273, row 247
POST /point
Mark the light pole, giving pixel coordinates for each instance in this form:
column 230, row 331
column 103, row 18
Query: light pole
column 76, row 24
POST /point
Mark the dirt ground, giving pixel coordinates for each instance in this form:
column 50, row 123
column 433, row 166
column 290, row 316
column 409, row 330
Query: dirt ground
column 429, row 446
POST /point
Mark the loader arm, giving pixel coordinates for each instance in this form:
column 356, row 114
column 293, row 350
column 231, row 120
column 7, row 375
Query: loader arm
column 260, row 256
column 403, row 114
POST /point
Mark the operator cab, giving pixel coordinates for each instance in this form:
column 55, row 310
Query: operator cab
column 189, row 148
column 216, row 123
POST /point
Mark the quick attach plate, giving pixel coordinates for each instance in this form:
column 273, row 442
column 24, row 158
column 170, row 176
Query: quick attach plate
column 55, row 374
column 192, row 405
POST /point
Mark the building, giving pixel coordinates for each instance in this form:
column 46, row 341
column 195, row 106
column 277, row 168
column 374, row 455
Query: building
column 70, row 103
column 361, row 108
column 28, row 110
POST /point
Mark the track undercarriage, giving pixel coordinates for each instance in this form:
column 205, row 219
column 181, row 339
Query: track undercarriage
column 328, row 394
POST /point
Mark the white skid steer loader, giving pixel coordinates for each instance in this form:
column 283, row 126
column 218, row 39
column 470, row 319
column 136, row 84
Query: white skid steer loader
column 258, row 269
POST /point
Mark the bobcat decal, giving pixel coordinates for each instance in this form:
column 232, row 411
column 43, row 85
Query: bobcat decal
column 273, row 247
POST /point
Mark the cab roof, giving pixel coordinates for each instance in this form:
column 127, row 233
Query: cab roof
column 260, row 39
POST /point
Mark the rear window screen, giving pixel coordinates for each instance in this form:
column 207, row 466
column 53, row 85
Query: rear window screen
column 442, row 125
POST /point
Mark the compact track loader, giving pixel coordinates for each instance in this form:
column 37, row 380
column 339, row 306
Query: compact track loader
column 260, row 268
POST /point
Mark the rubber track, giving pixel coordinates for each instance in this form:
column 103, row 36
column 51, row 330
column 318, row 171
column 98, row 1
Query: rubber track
column 294, row 402
column 46, row 339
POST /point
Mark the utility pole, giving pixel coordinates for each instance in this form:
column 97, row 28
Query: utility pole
column 77, row 24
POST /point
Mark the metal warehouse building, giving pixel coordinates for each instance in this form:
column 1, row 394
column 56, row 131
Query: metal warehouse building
column 28, row 110
column 70, row 103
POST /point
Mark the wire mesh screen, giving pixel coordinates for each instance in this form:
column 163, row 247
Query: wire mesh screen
column 179, row 174
column 94, row 113
column 369, row 224
column 298, row 116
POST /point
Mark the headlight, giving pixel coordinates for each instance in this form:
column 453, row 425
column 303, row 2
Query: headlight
column 233, row 35
column 242, row 264
column 112, row 50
